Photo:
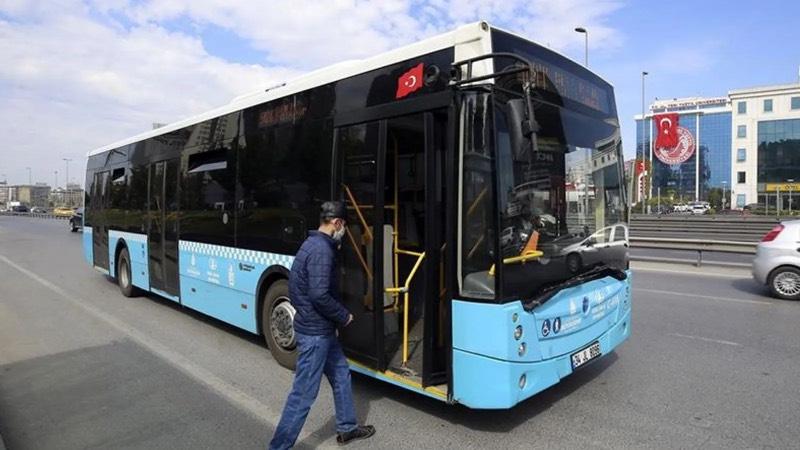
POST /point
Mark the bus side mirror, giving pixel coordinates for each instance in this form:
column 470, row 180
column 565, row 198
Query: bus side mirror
column 521, row 129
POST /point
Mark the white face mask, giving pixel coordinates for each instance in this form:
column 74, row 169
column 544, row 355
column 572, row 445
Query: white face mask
column 338, row 234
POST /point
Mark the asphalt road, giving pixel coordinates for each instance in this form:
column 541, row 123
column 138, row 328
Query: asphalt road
column 712, row 363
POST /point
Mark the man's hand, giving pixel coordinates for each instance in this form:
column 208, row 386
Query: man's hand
column 349, row 319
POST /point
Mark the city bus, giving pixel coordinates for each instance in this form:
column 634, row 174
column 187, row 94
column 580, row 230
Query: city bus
column 486, row 252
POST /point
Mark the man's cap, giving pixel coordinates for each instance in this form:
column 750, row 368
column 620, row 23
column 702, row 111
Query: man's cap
column 333, row 210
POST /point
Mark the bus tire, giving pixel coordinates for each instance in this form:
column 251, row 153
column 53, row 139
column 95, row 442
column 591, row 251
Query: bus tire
column 277, row 318
column 124, row 279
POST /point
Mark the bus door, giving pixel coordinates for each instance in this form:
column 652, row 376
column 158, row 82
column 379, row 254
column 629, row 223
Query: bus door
column 99, row 203
column 162, row 234
column 391, row 175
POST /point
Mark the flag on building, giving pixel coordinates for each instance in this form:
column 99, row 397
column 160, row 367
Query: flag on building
column 667, row 128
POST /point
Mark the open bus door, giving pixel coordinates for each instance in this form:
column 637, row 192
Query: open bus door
column 391, row 174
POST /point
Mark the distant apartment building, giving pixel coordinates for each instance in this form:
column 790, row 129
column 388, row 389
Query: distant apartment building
column 30, row 195
column 747, row 143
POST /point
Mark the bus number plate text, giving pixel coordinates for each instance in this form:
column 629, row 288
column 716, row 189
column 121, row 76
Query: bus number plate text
column 584, row 356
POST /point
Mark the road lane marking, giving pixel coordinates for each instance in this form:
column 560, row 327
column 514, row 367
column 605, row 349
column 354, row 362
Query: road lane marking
column 705, row 297
column 226, row 390
column 700, row 338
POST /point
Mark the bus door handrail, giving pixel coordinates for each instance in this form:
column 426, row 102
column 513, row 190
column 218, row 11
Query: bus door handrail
column 405, row 290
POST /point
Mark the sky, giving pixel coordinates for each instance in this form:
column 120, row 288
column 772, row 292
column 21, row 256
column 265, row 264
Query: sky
column 79, row 74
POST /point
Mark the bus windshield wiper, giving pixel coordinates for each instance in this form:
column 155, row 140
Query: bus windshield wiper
column 596, row 273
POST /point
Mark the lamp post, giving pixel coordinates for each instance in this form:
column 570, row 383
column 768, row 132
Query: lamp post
column 724, row 190
column 790, row 181
column 55, row 186
column 66, row 180
column 644, row 74
column 585, row 33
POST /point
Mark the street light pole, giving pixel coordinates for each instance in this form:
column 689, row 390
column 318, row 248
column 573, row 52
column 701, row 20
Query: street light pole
column 790, row 181
column 585, row 45
column 644, row 74
column 66, row 180
column 55, row 186
column 724, row 190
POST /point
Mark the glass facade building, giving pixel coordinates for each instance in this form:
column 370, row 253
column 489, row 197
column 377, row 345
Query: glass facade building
column 692, row 179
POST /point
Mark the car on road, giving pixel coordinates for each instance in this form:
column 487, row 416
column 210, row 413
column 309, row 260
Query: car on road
column 20, row 209
column 76, row 221
column 777, row 261
column 63, row 211
column 38, row 210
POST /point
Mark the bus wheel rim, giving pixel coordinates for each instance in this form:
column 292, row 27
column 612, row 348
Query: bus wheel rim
column 281, row 324
column 123, row 274
column 787, row 283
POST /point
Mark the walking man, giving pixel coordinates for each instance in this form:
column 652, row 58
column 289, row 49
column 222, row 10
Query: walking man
column 314, row 293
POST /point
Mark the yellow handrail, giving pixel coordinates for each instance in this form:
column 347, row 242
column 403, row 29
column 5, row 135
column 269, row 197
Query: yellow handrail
column 358, row 212
column 527, row 256
column 404, row 290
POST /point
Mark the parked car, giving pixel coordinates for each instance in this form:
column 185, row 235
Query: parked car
column 20, row 209
column 63, row 211
column 777, row 261
column 680, row 208
column 699, row 209
column 38, row 210
column 76, row 221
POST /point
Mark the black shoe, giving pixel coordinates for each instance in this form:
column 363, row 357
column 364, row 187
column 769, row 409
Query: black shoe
column 361, row 432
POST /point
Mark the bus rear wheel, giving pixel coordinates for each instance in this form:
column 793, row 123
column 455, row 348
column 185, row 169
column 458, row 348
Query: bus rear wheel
column 277, row 317
column 124, row 279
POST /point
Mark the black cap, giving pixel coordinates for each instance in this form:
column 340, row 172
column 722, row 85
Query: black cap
column 333, row 210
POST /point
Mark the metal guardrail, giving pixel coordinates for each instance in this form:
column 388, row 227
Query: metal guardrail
column 38, row 216
column 695, row 245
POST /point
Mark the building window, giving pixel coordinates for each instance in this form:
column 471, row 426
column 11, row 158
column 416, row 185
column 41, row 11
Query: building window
column 741, row 177
column 795, row 102
column 741, row 131
column 741, row 200
column 741, row 107
column 741, row 155
column 768, row 105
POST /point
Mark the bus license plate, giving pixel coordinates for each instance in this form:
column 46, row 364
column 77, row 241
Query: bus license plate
column 584, row 356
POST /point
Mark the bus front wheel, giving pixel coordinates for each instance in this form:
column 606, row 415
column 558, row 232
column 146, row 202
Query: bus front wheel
column 277, row 317
column 124, row 279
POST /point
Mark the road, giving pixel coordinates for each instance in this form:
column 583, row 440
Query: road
column 712, row 363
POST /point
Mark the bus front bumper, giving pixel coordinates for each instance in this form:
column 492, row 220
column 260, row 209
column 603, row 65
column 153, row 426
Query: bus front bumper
column 487, row 383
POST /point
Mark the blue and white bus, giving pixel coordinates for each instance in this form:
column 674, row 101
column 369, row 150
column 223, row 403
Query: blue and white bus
column 486, row 255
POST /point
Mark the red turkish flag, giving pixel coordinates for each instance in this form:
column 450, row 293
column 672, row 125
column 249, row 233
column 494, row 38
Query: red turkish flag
column 667, row 127
column 409, row 81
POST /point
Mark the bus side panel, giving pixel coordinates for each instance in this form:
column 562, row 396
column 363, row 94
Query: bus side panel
column 88, row 252
column 137, row 250
column 222, row 281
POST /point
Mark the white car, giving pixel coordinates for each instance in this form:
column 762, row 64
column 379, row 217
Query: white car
column 777, row 261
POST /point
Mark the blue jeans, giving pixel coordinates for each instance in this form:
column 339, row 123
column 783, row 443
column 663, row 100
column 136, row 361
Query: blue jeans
column 316, row 355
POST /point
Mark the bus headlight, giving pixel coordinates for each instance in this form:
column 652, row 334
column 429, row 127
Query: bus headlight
column 522, row 348
column 518, row 332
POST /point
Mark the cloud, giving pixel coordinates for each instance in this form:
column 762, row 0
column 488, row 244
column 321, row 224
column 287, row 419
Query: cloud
column 81, row 74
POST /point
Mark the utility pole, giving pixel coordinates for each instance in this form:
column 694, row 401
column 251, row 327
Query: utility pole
column 66, row 180
column 644, row 74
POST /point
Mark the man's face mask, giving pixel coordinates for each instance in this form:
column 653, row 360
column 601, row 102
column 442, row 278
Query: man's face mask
column 339, row 233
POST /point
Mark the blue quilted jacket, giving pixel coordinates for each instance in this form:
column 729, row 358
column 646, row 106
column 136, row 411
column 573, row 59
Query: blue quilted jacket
column 314, row 287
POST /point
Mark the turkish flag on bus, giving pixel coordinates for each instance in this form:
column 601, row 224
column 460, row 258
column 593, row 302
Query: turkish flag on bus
column 409, row 81
column 667, row 127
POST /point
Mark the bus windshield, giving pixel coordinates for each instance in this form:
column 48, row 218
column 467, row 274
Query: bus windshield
column 564, row 198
